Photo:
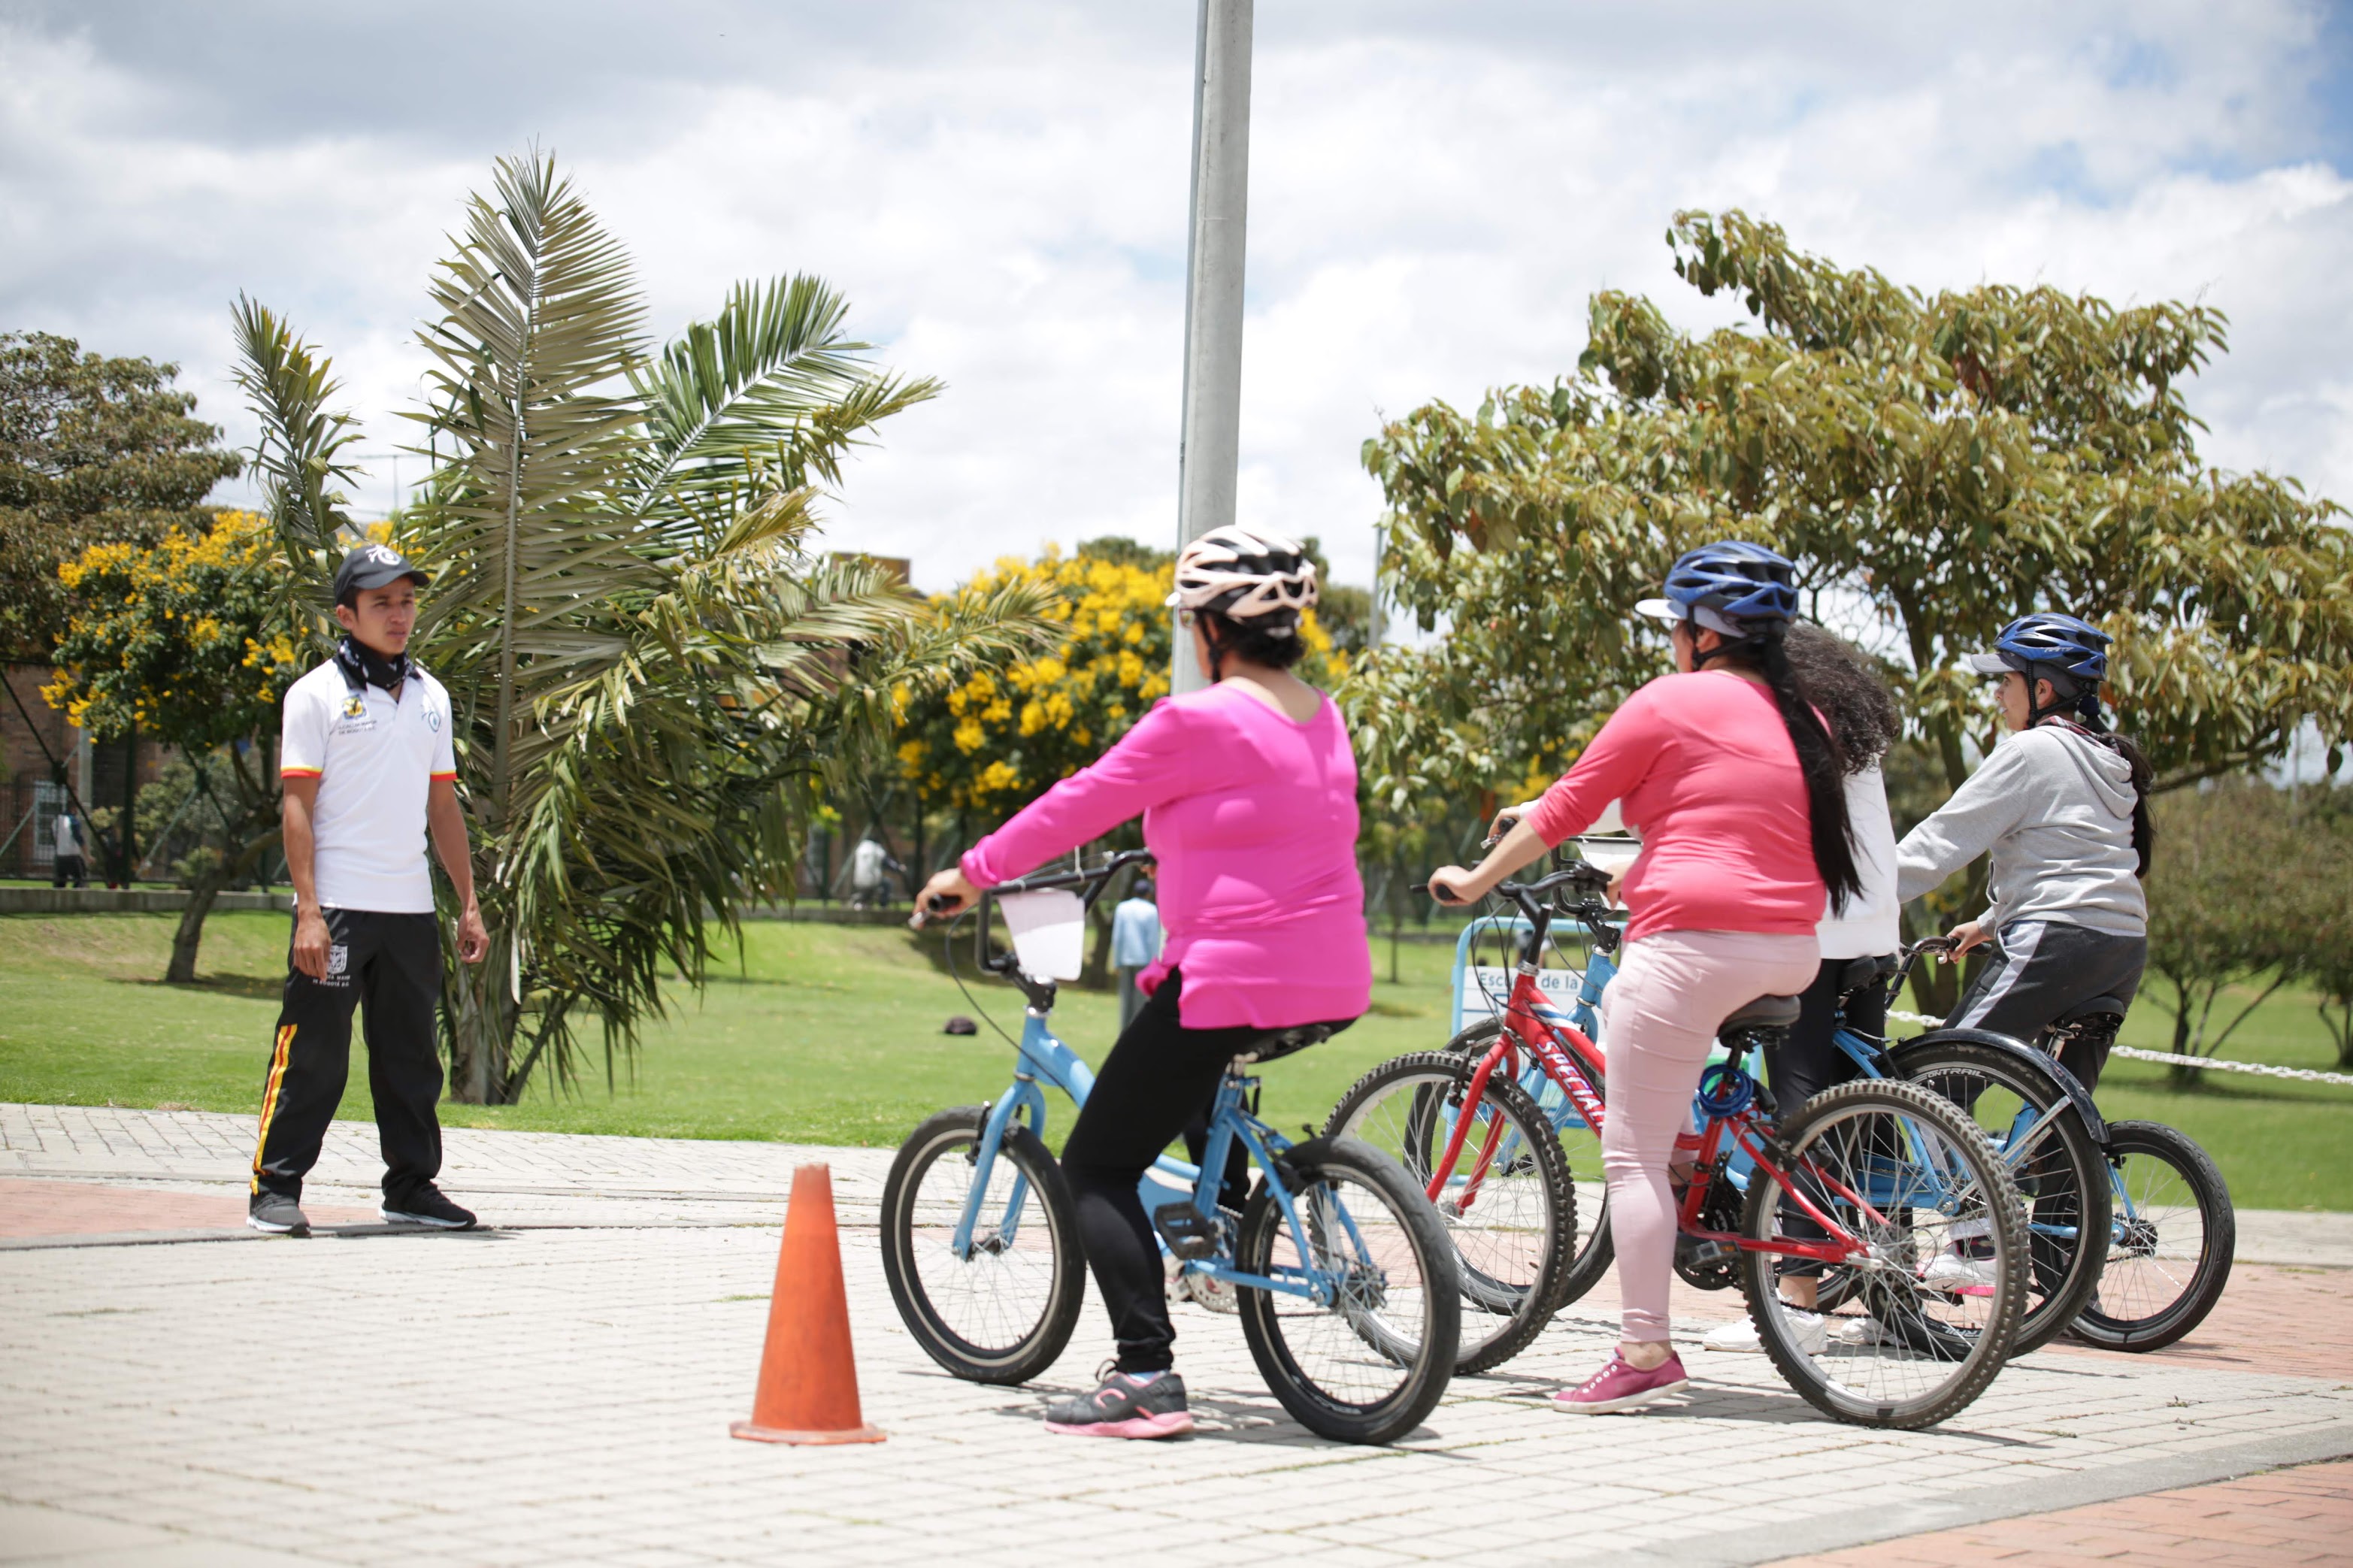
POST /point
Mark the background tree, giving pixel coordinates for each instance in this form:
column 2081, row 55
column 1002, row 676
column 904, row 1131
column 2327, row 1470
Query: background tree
column 2324, row 870
column 2228, row 907
column 657, row 681
column 189, row 642
column 93, row 450
column 1935, row 465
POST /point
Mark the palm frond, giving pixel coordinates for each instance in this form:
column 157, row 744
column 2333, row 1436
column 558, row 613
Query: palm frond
column 288, row 384
column 757, row 400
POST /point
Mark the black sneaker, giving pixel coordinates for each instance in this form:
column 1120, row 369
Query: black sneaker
column 1123, row 1407
column 425, row 1205
column 277, row 1215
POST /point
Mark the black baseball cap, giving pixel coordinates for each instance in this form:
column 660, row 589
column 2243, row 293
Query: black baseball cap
column 372, row 566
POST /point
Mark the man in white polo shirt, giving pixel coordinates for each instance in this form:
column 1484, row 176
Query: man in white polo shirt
column 370, row 770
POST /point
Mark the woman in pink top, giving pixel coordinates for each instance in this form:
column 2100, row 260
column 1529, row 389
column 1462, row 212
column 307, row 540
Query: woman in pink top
column 1739, row 790
column 1248, row 791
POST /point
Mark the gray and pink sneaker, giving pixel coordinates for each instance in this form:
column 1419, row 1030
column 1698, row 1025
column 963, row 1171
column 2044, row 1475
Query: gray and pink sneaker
column 1126, row 1406
column 1620, row 1386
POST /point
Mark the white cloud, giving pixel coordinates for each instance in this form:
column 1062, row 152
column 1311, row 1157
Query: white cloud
column 1435, row 193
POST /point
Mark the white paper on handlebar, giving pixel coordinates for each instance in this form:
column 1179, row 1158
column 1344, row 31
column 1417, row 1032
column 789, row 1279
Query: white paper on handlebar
column 1049, row 933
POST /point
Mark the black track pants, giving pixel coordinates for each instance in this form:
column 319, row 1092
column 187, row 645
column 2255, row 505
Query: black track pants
column 389, row 965
column 1159, row 1081
column 1809, row 1062
column 2044, row 968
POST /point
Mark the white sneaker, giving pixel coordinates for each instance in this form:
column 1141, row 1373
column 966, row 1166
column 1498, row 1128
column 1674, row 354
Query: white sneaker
column 1740, row 1335
column 1859, row 1331
column 1949, row 1270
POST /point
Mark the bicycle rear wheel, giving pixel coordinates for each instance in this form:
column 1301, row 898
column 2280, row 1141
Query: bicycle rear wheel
column 1369, row 1367
column 1580, row 1151
column 1917, row 1352
column 2055, row 1160
column 1004, row 1313
column 2172, row 1240
column 1504, row 1198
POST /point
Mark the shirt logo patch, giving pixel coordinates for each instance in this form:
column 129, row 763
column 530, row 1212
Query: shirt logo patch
column 433, row 720
column 356, row 706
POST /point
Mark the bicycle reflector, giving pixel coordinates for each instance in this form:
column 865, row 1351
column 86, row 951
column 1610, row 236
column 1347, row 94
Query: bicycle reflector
column 1726, row 1091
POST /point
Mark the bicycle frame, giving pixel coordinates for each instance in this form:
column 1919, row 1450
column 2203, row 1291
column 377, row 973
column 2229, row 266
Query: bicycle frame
column 1042, row 1059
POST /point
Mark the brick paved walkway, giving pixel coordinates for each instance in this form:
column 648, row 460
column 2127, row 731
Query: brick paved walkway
column 95, row 1208
column 558, row 1391
column 2304, row 1515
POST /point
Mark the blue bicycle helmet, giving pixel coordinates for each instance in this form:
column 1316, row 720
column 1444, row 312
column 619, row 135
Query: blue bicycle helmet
column 1734, row 587
column 2070, row 653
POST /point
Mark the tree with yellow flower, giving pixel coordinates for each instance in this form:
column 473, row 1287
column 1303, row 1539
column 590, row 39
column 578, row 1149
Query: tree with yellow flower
column 190, row 641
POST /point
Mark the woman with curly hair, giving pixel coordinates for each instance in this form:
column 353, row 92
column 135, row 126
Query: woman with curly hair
column 1843, row 683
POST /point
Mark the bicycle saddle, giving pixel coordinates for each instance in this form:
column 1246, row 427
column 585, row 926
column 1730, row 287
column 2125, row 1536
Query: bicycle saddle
column 1765, row 1012
column 2095, row 1007
column 1278, row 1043
column 1862, row 972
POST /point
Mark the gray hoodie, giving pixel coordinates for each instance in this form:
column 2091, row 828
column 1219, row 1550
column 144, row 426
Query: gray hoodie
column 2056, row 810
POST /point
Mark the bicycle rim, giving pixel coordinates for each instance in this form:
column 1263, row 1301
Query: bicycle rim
column 1504, row 1197
column 1915, row 1343
column 1580, row 1153
column 1370, row 1365
column 2172, row 1237
column 990, row 1315
column 2058, row 1168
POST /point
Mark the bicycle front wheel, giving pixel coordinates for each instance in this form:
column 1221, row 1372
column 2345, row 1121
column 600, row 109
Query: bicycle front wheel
column 1908, row 1174
column 1002, row 1312
column 2053, row 1155
column 1367, row 1366
column 1504, row 1195
column 2172, row 1240
column 1580, row 1150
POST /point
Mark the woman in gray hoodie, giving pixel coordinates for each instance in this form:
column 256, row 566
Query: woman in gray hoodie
column 2062, row 802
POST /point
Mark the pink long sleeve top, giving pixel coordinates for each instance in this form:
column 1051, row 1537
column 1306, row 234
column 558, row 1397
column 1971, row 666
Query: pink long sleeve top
column 1706, row 773
column 1253, row 820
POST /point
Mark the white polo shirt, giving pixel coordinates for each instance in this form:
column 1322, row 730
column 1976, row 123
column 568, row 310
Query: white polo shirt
column 375, row 760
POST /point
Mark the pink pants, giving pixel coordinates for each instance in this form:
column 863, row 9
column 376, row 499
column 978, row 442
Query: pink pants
column 1659, row 1018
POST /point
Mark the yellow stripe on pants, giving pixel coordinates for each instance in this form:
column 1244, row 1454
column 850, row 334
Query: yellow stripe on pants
column 270, row 1099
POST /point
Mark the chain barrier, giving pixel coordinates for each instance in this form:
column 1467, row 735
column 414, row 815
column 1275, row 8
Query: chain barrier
column 2302, row 1074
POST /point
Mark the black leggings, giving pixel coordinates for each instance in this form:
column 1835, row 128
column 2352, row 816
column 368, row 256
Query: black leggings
column 1160, row 1081
column 1809, row 1062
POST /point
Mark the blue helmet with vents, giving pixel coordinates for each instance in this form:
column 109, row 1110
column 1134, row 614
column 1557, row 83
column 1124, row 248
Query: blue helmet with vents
column 1734, row 587
column 2070, row 653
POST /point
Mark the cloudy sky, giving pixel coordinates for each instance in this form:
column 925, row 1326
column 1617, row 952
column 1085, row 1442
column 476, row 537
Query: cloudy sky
column 1436, row 189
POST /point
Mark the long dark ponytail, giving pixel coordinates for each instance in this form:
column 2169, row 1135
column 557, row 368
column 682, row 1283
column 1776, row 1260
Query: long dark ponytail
column 1820, row 758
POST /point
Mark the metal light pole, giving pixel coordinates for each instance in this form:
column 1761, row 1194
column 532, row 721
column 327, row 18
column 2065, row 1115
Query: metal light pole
column 1208, row 452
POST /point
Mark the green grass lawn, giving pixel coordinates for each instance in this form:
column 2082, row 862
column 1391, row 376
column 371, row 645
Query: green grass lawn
column 830, row 1034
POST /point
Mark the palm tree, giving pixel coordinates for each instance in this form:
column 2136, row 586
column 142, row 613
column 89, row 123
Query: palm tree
column 657, row 681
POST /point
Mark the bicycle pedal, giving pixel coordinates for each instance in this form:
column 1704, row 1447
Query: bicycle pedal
column 1186, row 1231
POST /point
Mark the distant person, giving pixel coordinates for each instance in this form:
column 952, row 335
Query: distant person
column 871, row 866
column 66, row 834
column 1134, row 945
column 370, row 770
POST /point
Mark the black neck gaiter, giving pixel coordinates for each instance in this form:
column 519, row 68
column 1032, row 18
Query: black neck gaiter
column 363, row 666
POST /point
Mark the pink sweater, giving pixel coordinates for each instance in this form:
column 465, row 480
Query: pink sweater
column 1253, row 820
column 1707, row 773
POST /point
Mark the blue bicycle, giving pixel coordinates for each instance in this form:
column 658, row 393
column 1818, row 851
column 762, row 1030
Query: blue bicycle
column 1345, row 1281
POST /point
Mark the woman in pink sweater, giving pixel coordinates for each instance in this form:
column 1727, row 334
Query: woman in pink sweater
column 1739, row 790
column 1248, row 791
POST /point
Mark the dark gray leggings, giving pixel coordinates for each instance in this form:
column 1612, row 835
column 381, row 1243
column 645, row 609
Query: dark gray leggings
column 2044, row 968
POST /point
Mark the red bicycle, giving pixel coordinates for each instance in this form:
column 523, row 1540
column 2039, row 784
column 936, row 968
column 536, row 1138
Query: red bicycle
column 1879, row 1176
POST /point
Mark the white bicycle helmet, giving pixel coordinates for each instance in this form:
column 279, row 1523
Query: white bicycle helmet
column 1243, row 575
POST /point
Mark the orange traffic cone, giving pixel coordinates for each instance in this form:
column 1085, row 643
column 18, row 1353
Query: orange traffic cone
column 809, row 1380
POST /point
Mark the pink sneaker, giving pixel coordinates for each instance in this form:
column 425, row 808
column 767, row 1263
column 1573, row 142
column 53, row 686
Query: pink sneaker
column 1620, row 1386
